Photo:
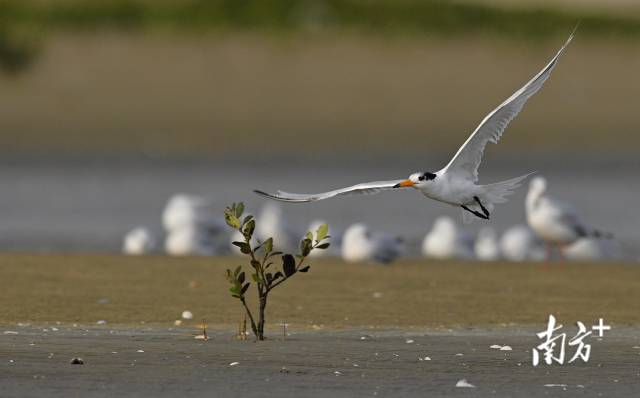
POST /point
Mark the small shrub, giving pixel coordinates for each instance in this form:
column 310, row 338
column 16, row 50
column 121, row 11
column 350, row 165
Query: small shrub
column 264, row 273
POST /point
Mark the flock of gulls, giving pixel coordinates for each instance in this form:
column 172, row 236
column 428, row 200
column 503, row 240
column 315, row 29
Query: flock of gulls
column 554, row 230
column 554, row 227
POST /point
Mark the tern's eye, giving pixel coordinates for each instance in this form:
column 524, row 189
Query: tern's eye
column 421, row 178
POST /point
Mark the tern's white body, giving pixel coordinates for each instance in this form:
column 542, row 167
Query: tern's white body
column 455, row 184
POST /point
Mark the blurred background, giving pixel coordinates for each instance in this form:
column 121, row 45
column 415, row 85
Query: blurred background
column 109, row 107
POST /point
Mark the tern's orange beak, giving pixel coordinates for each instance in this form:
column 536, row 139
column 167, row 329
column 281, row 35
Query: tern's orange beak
column 405, row 184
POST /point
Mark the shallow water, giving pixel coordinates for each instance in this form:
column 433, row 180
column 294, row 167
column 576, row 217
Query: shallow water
column 89, row 204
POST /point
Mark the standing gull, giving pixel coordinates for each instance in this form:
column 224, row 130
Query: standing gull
column 555, row 221
column 455, row 184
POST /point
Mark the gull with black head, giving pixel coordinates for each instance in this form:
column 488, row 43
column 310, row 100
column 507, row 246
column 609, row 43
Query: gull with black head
column 455, row 184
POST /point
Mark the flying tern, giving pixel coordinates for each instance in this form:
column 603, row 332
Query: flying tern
column 455, row 184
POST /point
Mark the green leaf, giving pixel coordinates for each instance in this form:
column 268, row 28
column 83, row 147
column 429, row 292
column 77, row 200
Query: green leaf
column 239, row 209
column 237, row 270
column 269, row 277
column 229, row 276
column 322, row 232
column 245, row 287
column 248, row 229
column 247, row 219
column 231, row 219
column 309, row 235
column 234, row 290
column 240, row 278
column 305, row 269
column 305, row 247
column 268, row 245
column 255, row 264
column 254, row 276
column 323, row 246
column 288, row 265
column 244, row 247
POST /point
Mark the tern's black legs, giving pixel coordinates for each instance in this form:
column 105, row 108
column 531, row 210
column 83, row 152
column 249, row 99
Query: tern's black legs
column 484, row 210
column 484, row 216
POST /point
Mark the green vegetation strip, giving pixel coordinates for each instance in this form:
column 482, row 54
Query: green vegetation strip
column 378, row 17
column 43, row 289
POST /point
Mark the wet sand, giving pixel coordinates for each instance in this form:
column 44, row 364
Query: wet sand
column 353, row 363
column 370, row 324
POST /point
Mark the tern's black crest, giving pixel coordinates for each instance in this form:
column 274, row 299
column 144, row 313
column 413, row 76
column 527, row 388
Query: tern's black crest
column 427, row 176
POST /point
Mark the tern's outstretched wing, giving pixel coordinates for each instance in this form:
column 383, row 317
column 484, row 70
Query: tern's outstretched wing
column 466, row 161
column 365, row 188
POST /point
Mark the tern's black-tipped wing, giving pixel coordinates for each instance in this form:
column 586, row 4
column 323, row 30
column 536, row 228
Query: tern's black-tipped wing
column 366, row 188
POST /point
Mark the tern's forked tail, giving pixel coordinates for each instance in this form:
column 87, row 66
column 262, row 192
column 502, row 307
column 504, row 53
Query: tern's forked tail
column 498, row 192
column 492, row 194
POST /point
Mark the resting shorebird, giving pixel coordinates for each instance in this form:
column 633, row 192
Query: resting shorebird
column 138, row 241
column 486, row 247
column 520, row 243
column 456, row 184
column 447, row 241
column 360, row 244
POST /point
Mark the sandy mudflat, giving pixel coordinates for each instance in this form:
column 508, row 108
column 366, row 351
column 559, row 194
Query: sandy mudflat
column 154, row 290
column 324, row 363
column 370, row 324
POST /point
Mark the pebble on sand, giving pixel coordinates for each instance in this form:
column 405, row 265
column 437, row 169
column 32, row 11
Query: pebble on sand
column 234, row 363
column 463, row 383
column 187, row 315
column 76, row 361
column 506, row 348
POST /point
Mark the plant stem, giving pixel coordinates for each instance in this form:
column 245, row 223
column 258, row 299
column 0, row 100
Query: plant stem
column 263, row 306
column 253, row 324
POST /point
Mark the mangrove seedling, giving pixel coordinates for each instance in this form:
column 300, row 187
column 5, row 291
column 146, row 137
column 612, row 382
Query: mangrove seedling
column 261, row 257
